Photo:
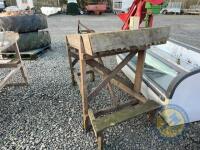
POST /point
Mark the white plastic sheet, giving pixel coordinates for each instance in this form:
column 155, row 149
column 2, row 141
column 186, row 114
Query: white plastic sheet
column 50, row 10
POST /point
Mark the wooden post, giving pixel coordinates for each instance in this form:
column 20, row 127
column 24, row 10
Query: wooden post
column 22, row 68
column 83, row 84
column 70, row 63
column 134, row 23
column 100, row 141
column 139, row 70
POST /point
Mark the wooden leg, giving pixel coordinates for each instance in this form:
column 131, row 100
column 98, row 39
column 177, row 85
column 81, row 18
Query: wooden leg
column 117, row 80
column 83, row 89
column 7, row 78
column 71, row 67
column 18, row 56
column 22, row 69
column 100, row 141
column 111, row 75
column 151, row 115
column 24, row 74
column 83, row 86
column 139, row 71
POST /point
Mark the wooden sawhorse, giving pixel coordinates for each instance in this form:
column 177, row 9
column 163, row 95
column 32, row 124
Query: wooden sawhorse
column 16, row 64
column 89, row 49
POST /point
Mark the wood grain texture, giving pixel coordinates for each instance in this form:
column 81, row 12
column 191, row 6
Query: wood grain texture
column 123, row 115
column 74, row 40
column 128, row 39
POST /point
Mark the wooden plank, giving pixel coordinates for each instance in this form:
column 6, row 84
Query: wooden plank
column 11, row 64
column 113, row 109
column 111, row 75
column 92, row 118
column 124, row 87
column 83, row 85
column 74, row 40
column 108, row 53
column 75, row 61
column 75, row 55
column 24, row 73
column 117, row 80
column 139, row 70
column 71, row 64
column 123, row 115
column 16, row 64
column 5, row 80
column 128, row 39
column 22, row 68
column 109, row 86
column 87, row 45
column 16, row 84
column 85, row 30
column 100, row 141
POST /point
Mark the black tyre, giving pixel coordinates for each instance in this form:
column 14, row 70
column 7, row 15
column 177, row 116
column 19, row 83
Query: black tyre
column 32, row 41
column 165, row 12
column 73, row 9
column 24, row 24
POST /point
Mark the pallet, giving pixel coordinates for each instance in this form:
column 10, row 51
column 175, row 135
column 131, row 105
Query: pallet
column 28, row 55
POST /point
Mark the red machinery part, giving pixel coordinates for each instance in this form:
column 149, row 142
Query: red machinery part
column 155, row 2
column 138, row 9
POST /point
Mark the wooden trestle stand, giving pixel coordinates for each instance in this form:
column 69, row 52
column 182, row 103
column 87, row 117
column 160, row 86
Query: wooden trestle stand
column 89, row 49
column 16, row 64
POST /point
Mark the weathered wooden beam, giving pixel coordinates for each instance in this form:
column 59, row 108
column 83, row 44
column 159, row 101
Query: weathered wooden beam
column 76, row 77
column 108, row 53
column 111, row 75
column 120, row 40
column 127, row 39
column 92, row 118
column 22, row 68
column 83, row 85
column 74, row 62
column 113, row 109
column 11, row 64
column 101, row 123
column 139, row 71
column 117, row 80
column 6, row 79
column 74, row 41
column 110, row 89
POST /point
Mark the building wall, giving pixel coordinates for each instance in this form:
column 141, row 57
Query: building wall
column 187, row 3
column 39, row 3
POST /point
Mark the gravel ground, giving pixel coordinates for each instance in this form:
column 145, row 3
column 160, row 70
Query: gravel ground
column 47, row 113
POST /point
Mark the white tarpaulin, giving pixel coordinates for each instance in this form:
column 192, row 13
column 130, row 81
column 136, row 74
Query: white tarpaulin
column 72, row 1
column 50, row 10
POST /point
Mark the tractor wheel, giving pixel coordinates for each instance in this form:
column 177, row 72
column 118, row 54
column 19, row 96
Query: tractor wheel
column 32, row 41
column 24, row 24
column 165, row 12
